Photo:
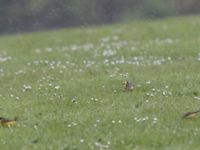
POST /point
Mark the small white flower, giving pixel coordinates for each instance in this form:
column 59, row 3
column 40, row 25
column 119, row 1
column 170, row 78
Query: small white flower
column 148, row 82
column 197, row 98
column 57, row 87
column 147, row 94
column 97, row 120
column 108, row 142
column 82, row 140
column 108, row 53
column 152, row 95
column 145, row 118
column 74, row 123
column 36, row 127
column 155, row 119
column 26, row 88
column 164, row 93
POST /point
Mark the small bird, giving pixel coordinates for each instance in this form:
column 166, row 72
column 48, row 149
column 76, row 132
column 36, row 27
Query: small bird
column 128, row 86
column 190, row 115
column 7, row 122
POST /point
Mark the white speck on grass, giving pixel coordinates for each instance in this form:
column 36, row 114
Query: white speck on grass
column 164, row 93
column 112, row 75
column 108, row 53
column 198, row 57
column 137, row 119
column 145, row 118
column 100, row 145
column 155, row 119
column 98, row 120
column 157, row 62
column 113, row 121
column 4, row 58
column 20, row 72
column 170, row 93
column 35, row 127
column 82, row 140
column 108, row 142
column 74, row 123
column 38, row 50
column 152, row 95
column 148, row 82
column 105, row 40
column 142, row 119
column 48, row 49
column 197, row 98
column 26, row 88
column 57, row 87
column 147, row 94
column 46, row 62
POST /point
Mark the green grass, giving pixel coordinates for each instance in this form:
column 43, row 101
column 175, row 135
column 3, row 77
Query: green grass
column 41, row 73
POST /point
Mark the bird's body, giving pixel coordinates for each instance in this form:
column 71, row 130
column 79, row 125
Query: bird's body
column 7, row 122
column 128, row 86
column 190, row 115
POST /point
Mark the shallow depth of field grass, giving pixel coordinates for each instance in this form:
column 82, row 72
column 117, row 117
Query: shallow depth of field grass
column 65, row 87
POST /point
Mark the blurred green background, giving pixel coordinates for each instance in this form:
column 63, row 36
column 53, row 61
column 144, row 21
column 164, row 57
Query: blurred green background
column 29, row 15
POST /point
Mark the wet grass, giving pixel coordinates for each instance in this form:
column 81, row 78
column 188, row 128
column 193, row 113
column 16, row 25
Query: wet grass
column 65, row 86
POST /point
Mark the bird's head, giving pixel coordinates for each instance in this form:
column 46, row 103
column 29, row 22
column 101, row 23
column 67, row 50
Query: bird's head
column 125, row 83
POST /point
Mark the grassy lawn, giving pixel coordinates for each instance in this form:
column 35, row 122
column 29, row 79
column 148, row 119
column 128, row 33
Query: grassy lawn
column 65, row 87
